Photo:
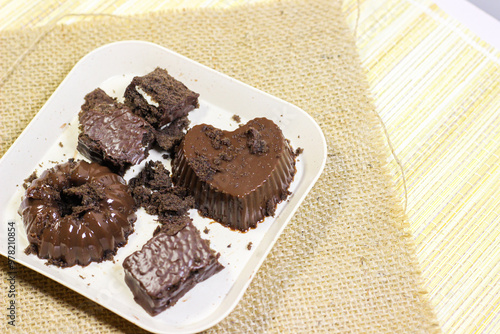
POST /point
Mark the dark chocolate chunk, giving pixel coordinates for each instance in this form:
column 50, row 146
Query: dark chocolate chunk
column 168, row 266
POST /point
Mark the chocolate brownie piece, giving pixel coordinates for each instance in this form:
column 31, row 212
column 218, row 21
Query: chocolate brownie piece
column 111, row 135
column 159, row 98
column 168, row 266
column 152, row 189
column 170, row 136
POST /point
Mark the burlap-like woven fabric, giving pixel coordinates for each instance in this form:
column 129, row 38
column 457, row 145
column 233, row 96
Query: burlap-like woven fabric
column 344, row 263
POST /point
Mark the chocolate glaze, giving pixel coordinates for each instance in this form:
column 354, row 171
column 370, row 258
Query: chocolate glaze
column 111, row 134
column 168, row 266
column 236, row 178
column 77, row 212
column 173, row 98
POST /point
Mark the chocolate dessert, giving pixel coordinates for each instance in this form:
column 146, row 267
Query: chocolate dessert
column 168, row 266
column 110, row 134
column 77, row 212
column 159, row 98
column 152, row 189
column 236, row 178
column 170, row 136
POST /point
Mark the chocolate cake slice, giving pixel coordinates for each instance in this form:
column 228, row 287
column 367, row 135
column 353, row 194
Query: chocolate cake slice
column 159, row 98
column 111, row 135
column 168, row 266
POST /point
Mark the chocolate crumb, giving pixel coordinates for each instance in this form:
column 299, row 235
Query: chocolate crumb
column 249, row 246
column 61, row 144
column 172, row 224
column 229, row 246
column 31, row 249
column 153, row 190
column 236, row 118
column 255, row 142
column 81, row 199
column 81, row 277
column 29, row 179
column 298, row 151
column 203, row 168
column 215, row 136
column 154, row 176
column 271, row 207
column 206, row 230
column 170, row 136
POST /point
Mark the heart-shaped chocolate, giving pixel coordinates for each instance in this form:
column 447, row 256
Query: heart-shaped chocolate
column 236, row 177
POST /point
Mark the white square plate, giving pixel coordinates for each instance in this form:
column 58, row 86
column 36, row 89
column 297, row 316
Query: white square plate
column 51, row 138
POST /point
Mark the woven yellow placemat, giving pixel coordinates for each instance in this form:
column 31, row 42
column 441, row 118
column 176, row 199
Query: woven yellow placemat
column 345, row 262
column 437, row 87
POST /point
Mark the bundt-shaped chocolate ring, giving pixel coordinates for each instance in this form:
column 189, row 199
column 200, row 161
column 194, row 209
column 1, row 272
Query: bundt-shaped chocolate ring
column 77, row 212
